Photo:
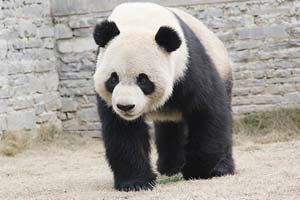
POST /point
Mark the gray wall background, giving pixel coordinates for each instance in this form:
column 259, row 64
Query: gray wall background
column 47, row 57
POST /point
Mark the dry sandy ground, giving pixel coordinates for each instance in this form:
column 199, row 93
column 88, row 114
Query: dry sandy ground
column 77, row 170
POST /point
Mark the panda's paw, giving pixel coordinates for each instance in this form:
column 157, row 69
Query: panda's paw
column 170, row 167
column 136, row 185
column 224, row 167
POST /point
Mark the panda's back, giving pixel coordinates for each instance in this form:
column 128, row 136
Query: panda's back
column 213, row 45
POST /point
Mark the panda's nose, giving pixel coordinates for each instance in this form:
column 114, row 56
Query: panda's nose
column 125, row 108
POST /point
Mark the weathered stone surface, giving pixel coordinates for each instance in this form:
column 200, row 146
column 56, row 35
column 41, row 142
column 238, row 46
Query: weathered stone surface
column 262, row 32
column 76, row 45
column 3, row 123
column 83, row 32
column 89, row 115
column 27, row 28
column 21, row 103
column 82, row 23
column 47, row 61
column 21, row 120
column 68, row 105
column 44, row 66
column 3, row 48
column 62, row 31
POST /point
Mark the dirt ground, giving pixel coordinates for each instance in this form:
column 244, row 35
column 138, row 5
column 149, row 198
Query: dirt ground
column 76, row 169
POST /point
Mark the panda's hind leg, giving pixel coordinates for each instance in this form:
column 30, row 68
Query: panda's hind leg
column 209, row 146
column 170, row 140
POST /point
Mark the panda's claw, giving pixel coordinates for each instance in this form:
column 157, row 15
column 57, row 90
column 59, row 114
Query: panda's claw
column 136, row 186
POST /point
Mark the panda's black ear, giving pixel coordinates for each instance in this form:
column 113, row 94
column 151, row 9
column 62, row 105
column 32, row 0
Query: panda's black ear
column 168, row 38
column 104, row 32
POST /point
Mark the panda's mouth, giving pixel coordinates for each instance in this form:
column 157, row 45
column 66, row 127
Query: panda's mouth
column 130, row 116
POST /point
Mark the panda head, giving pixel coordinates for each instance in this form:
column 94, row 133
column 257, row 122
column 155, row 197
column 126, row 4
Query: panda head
column 135, row 73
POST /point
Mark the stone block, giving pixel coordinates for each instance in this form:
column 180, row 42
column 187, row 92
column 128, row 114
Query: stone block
column 21, row 120
column 3, row 81
column 76, row 45
column 3, row 124
column 83, row 32
column 20, row 103
column 43, row 82
column 88, row 115
column 94, row 126
column 3, row 48
column 247, row 45
column 27, row 28
column 52, row 101
column 69, row 105
column 262, row 32
column 243, row 109
column 44, row 66
column 49, row 117
column 214, row 12
column 48, row 43
column 35, row 10
column 82, row 22
column 46, row 32
column 71, row 125
column 5, row 93
column 267, row 99
column 292, row 97
column 39, row 108
column 24, row 66
column 62, row 31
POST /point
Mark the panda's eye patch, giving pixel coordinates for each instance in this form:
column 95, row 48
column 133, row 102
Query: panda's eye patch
column 111, row 83
column 145, row 84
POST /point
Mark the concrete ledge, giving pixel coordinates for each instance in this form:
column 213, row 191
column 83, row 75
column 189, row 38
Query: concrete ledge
column 71, row 7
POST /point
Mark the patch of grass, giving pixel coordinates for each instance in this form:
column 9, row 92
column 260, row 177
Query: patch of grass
column 165, row 179
column 251, row 148
column 269, row 126
column 49, row 133
column 14, row 142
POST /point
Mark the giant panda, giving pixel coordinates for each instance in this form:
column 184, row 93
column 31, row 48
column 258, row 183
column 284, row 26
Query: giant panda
column 162, row 64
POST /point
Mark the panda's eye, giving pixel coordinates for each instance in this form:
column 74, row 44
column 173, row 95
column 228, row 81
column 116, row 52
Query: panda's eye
column 142, row 79
column 145, row 84
column 114, row 79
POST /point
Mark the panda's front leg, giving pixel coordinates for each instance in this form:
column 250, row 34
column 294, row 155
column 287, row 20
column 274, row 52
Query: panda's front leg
column 170, row 140
column 209, row 147
column 127, row 151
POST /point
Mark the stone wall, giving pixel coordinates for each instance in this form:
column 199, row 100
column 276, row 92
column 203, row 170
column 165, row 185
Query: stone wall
column 262, row 36
column 29, row 96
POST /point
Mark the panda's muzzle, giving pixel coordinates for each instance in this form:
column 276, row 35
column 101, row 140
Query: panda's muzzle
column 125, row 108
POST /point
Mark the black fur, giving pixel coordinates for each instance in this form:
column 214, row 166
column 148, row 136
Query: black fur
column 127, row 150
column 168, row 38
column 200, row 146
column 203, row 100
column 170, row 141
column 105, row 32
